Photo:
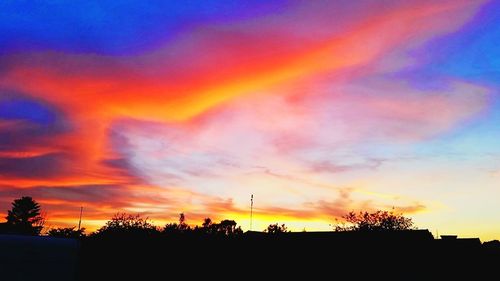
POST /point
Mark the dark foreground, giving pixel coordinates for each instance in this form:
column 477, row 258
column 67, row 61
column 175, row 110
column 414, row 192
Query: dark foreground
column 342, row 256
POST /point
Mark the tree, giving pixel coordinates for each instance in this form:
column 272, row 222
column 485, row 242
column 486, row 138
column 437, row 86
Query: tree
column 205, row 228
column 171, row 228
column 376, row 221
column 25, row 217
column 276, row 229
column 127, row 224
column 226, row 228
column 181, row 227
column 182, row 223
column 207, row 222
column 67, row 232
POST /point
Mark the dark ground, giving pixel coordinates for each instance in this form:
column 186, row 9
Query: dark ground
column 289, row 256
column 336, row 256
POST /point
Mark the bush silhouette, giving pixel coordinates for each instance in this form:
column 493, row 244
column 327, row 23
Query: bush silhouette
column 225, row 228
column 67, row 232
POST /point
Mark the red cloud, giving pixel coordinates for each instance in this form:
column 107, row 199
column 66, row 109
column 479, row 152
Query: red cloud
column 226, row 93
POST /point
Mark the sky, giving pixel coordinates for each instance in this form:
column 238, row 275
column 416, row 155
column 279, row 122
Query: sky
column 317, row 108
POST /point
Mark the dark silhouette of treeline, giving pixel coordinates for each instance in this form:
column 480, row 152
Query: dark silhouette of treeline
column 375, row 245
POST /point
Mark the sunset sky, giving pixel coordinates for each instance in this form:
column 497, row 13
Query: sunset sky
column 315, row 107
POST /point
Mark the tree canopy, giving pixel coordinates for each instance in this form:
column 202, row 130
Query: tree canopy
column 276, row 229
column 375, row 221
column 25, row 217
column 127, row 224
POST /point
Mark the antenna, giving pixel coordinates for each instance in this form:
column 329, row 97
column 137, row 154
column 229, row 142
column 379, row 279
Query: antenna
column 251, row 211
column 80, row 221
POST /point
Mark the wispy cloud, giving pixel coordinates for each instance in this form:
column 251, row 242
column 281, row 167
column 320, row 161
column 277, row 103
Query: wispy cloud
column 259, row 100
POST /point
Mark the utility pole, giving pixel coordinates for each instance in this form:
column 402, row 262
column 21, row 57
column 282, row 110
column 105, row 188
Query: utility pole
column 80, row 221
column 251, row 211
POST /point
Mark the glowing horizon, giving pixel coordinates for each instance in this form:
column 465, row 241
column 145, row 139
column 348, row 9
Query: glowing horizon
column 317, row 108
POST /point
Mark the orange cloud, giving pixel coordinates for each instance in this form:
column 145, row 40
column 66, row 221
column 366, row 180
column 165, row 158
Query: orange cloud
column 108, row 88
column 256, row 84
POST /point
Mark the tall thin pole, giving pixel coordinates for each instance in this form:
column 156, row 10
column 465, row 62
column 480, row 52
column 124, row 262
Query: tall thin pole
column 80, row 221
column 251, row 211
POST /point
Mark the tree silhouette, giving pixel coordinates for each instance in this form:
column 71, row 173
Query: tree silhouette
column 378, row 220
column 276, row 229
column 171, row 228
column 25, row 217
column 182, row 223
column 68, row 232
column 127, row 224
column 174, row 228
column 207, row 222
column 226, row 228
column 205, row 228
